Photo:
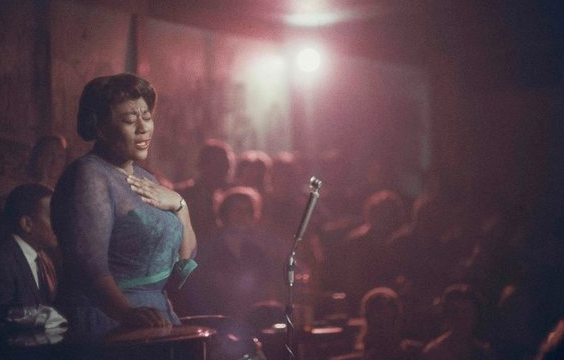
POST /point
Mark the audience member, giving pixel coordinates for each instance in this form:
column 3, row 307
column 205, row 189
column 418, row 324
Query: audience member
column 234, row 270
column 499, row 269
column 253, row 169
column 287, row 196
column 338, row 187
column 508, row 326
column 552, row 348
column 47, row 160
column 378, row 175
column 335, row 216
column 367, row 257
column 500, row 251
column 461, row 311
column 381, row 335
column 27, row 274
column 422, row 256
column 215, row 162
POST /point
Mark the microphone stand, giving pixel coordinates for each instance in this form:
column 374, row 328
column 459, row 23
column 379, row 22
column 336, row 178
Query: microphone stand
column 315, row 185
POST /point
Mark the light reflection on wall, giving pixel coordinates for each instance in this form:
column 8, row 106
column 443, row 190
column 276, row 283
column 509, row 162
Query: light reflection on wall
column 252, row 75
column 370, row 112
column 269, row 94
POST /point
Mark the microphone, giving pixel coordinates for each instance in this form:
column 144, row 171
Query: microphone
column 315, row 185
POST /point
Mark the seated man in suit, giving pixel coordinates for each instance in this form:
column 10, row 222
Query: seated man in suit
column 27, row 274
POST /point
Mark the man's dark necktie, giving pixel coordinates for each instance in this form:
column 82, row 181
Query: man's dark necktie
column 47, row 278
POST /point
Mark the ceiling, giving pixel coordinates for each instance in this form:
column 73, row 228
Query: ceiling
column 406, row 31
column 397, row 30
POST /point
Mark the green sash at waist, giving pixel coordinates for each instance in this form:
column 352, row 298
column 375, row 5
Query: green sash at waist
column 182, row 269
column 146, row 280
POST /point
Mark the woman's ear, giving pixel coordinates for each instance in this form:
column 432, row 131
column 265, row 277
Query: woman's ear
column 26, row 224
column 100, row 132
column 104, row 132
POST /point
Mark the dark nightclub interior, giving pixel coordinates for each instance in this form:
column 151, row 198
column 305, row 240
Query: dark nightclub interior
column 155, row 192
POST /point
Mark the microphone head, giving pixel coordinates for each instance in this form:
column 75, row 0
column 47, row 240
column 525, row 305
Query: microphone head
column 315, row 183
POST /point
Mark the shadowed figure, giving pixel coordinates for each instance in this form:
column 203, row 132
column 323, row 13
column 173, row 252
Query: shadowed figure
column 461, row 311
column 381, row 337
column 27, row 275
column 47, row 160
column 422, row 256
column 215, row 162
column 552, row 348
column 253, row 169
column 282, row 209
column 234, row 271
column 366, row 263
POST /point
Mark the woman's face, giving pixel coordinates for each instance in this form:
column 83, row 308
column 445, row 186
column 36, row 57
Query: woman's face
column 129, row 132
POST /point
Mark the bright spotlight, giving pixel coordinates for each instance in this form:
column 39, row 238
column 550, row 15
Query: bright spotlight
column 308, row 60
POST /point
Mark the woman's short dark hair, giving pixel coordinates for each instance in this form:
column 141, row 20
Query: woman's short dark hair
column 101, row 93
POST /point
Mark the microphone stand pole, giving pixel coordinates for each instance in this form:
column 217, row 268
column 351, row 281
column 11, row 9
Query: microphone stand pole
column 315, row 185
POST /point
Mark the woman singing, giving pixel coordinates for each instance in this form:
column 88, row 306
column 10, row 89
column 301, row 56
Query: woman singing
column 120, row 232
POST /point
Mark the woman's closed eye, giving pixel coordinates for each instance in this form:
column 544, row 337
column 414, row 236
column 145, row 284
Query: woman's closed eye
column 131, row 117
column 146, row 115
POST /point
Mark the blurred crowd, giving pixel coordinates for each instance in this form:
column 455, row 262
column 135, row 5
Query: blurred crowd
column 435, row 276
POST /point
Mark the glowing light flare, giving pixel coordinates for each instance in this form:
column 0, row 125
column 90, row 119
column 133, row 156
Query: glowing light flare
column 308, row 60
column 315, row 13
column 268, row 65
column 266, row 75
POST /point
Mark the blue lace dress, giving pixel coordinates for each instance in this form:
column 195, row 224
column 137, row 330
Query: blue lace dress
column 104, row 228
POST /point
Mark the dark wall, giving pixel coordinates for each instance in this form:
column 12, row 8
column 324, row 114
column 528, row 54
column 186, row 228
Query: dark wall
column 54, row 47
column 24, row 85
column 498, row 94
column 494, row 80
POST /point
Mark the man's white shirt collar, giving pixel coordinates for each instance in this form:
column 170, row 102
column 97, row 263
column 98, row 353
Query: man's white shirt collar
column 30, row 255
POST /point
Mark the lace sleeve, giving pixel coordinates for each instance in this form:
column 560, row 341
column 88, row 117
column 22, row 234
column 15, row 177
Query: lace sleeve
column 83, row 216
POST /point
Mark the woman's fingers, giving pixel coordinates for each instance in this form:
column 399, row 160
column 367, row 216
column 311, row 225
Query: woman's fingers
column 143, row 187
column 154, row 317
column 146, row 317
column 149, row 201
column 140, row 183
column 154, row 194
